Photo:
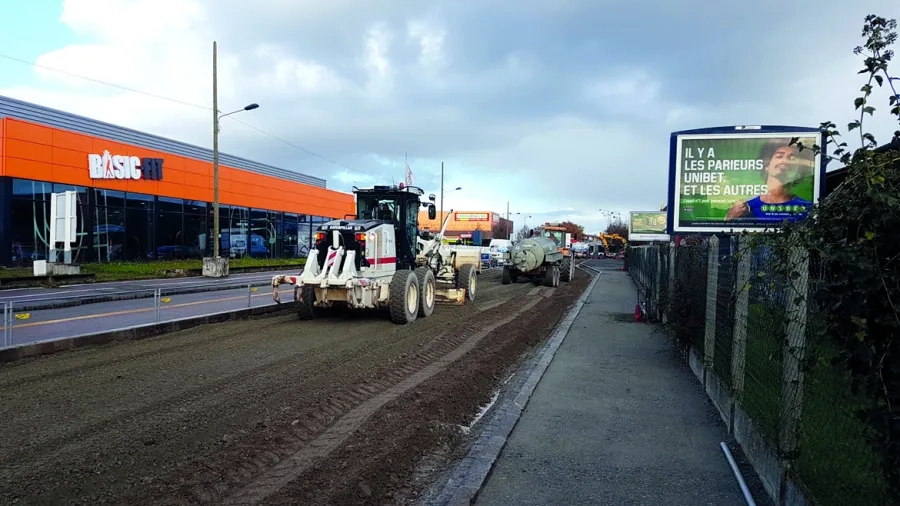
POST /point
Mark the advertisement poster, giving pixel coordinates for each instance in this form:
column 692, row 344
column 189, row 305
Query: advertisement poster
column 472, row 216
column 743, row 181
column 647, row 226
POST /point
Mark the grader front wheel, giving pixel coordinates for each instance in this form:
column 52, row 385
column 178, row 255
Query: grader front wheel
column 426, row 291
column 467, row 279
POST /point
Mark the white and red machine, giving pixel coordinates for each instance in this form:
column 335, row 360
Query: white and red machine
column 377, row 259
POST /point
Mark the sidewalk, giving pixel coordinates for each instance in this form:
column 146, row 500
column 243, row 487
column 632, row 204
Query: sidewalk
column 617, row 419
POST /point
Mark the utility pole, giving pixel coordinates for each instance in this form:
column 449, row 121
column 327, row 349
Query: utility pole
column 508, row 227
column 215, row 233
column 442, row 192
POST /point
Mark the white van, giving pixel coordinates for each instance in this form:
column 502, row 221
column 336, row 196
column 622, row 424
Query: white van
column 498, row 247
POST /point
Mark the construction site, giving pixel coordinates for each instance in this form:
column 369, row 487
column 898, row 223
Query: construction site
column 349, row 409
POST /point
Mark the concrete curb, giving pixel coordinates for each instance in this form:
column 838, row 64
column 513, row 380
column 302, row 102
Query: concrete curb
column 135, row 333
column 470, row 475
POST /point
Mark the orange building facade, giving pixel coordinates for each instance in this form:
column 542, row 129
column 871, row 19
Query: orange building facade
column 466, row 226
column 143, row 197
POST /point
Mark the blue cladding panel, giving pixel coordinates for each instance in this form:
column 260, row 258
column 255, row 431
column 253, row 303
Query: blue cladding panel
column 10, row 107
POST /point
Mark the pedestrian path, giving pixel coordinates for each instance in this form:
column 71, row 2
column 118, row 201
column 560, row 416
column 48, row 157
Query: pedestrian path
column 617, row 419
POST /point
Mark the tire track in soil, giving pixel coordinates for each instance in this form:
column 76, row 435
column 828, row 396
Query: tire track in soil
column 251, row 460
column 382, row 462
column 287, row 470
column 119, row 453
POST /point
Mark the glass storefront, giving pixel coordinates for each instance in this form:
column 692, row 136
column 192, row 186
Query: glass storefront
column 119, row 226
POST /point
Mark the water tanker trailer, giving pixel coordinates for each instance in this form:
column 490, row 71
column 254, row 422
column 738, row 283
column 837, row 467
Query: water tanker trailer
column 536, row 258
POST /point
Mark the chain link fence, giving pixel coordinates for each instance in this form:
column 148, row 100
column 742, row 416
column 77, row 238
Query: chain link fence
column 757, row 329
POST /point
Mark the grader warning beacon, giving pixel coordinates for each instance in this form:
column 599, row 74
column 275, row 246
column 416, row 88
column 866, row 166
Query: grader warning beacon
column 545, row 257
column 376, row 259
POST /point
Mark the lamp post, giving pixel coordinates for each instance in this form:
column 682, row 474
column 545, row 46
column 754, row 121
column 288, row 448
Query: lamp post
column 216, row 266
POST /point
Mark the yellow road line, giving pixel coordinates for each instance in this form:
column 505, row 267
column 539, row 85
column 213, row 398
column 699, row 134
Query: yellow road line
column 132, row 311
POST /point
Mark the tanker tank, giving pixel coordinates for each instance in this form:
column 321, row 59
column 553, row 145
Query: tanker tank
column 531, row 253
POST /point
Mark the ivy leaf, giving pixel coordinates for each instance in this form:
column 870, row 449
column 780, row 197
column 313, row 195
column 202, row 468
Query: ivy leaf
column 879, row 80
column 870, row 236
column 853, row 125
column 869, row 109
column 860, row 322
column 859, row 102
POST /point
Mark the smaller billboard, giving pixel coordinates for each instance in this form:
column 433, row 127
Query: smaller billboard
column 472, row 216
column 647, row 226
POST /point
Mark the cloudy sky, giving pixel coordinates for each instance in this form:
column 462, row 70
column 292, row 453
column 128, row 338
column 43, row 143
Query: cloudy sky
column 559, row 107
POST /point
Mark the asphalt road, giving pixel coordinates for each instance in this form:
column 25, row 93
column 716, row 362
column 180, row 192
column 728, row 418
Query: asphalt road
column 35, row 322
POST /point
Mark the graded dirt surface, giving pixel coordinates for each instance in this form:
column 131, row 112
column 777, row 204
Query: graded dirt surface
column 339, row 410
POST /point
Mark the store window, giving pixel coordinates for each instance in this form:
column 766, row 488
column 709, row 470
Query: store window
column 30, row 231
column 289, row 242
column 169, row 228
column 263, row 234
column 196, row 230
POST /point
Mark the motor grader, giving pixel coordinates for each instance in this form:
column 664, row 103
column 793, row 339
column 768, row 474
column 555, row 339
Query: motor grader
column 377, row 259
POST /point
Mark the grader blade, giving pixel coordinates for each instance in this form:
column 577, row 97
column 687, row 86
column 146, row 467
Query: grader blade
column 450, row 296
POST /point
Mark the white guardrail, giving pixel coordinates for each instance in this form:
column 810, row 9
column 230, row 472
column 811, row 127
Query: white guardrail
column 37, row 314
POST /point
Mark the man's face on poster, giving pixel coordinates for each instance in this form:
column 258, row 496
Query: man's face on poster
column 786, row 165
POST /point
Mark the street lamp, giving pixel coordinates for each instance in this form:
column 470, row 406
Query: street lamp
column 217, row 267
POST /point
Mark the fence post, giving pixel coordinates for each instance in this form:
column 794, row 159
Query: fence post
column 741, row 308
column 7, row 328
column 657, row 274
column 249, row 295
column 671, row 266
column 712, row 286
column 157, row 302
column 794, row 352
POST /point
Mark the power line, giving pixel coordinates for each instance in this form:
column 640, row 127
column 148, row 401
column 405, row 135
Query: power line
column 160, row 97
column 181, row 102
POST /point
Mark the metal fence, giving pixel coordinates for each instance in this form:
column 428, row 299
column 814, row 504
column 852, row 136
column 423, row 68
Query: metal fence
column 29, row 321
column 757, row 334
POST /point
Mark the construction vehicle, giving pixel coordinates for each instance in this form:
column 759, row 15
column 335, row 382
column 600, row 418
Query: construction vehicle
column 563, row 240
column 606, row 238
column 377, row 259
column 545, row 256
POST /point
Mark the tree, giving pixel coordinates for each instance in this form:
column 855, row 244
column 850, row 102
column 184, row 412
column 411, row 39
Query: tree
column 618, row 227
column 852, row 237
column 576, row 230
column 524, row 232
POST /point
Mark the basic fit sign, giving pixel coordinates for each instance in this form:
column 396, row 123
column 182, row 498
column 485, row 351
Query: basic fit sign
column 109, row 166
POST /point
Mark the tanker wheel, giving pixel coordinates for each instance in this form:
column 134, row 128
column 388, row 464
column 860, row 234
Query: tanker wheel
column 426, row 291
column 506, row 278
column 567, row 271
column 551, row 276
column 404, row 301
column 306, row 309
column 467, row 279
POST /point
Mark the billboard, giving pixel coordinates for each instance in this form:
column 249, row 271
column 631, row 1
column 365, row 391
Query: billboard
column 472, row 216
column 736, row 179
column 647, row 226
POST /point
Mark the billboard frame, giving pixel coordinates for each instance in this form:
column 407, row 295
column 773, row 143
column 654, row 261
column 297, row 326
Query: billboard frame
column 647, row 237
column 724, row 132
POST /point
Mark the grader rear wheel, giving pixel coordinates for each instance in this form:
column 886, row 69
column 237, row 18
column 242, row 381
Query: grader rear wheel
column 306, row 310
column 404, row 301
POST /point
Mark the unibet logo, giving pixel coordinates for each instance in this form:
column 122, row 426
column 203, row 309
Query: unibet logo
column 108, row 166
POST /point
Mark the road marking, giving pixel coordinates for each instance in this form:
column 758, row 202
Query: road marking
column 132, row 311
